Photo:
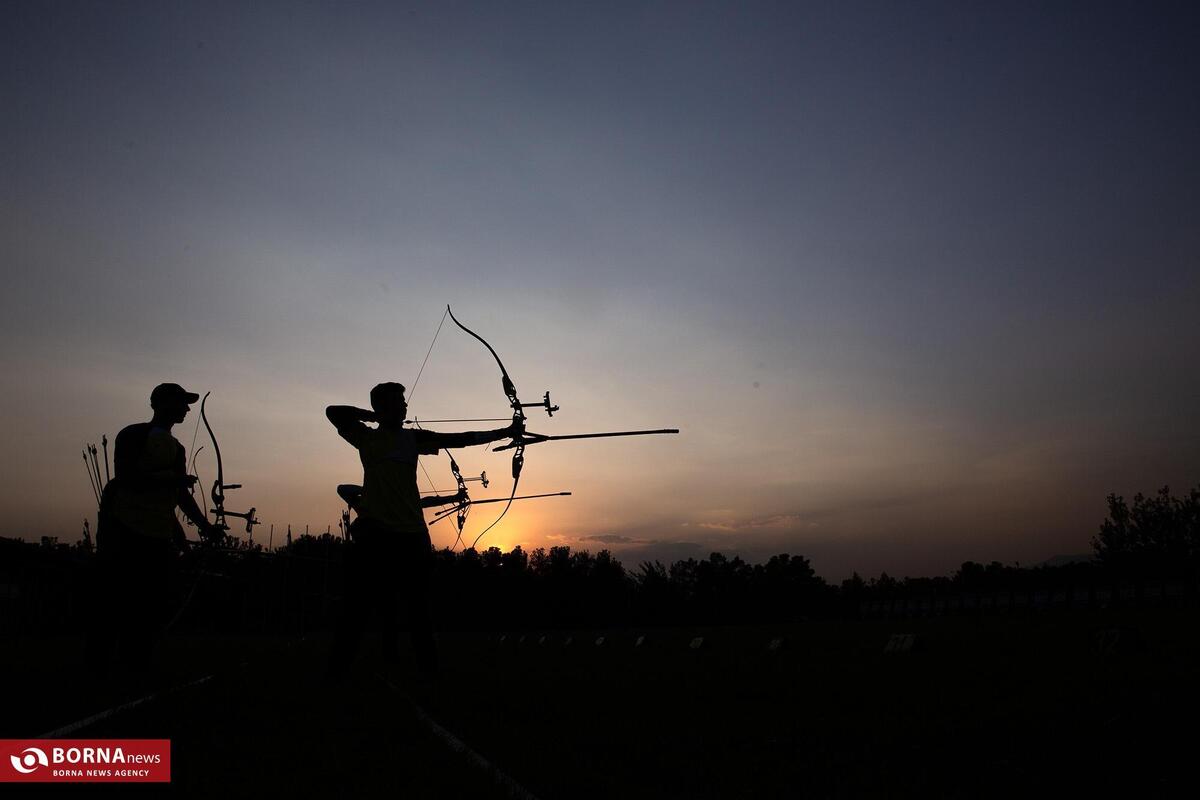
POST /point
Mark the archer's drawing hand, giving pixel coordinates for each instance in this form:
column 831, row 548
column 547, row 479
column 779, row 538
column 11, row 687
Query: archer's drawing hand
column 188, row 481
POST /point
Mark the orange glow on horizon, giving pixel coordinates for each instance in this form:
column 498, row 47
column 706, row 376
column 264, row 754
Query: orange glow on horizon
column 526, row 528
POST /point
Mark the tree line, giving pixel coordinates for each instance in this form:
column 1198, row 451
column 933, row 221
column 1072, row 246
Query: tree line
column 299, row 585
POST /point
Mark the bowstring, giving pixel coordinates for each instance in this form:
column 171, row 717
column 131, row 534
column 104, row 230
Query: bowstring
column 412, row 391
column 199, row 482
column 190, row 458
column 421, row 371
column 187, row 601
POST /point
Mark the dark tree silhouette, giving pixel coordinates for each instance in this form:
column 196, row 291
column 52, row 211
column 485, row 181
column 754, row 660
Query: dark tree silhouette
column 1159, row 535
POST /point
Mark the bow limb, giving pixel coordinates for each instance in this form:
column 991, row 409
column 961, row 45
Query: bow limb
column 218, row 487
column 510, row 391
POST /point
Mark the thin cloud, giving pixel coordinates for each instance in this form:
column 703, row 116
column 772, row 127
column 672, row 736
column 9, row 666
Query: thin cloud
column 773, row 522
column 612, row 538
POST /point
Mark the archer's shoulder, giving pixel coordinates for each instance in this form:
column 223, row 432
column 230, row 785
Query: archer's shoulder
column 142, row 435
column 136, row 431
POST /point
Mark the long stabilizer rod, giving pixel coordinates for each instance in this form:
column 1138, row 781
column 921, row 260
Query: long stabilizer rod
column 536, row 438
column 475, row 419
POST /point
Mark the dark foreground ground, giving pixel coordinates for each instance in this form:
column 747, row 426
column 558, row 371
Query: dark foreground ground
column 1050, row 703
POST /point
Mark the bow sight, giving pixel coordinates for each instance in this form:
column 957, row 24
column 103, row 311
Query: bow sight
column 544, row 404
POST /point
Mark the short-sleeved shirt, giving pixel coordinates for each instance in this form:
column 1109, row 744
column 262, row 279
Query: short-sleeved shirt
column 144, row 499
column 389, row 458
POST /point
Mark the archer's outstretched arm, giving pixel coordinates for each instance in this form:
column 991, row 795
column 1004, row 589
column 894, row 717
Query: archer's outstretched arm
column 442, row 500
column 453, row 441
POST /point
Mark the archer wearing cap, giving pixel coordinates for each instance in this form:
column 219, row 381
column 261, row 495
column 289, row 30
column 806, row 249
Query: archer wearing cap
column 151, row 475
column 138, row 535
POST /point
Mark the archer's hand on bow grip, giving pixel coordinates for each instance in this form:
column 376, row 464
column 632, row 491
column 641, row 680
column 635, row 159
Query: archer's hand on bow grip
column 517, row 429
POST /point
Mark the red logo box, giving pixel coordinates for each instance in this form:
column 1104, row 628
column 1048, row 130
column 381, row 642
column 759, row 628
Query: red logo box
column 85, row 760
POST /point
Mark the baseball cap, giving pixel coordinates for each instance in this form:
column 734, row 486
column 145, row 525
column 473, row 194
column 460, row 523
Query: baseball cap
column 171, row 392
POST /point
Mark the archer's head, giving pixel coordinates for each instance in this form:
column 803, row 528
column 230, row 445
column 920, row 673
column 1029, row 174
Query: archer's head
column 170, row 402
column 387, row 401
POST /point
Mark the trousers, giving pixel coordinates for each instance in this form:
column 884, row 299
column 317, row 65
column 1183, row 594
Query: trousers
column 386, row 572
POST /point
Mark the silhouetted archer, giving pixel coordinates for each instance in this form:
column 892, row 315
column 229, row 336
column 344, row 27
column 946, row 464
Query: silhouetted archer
column 138, row 535
column 389, row 551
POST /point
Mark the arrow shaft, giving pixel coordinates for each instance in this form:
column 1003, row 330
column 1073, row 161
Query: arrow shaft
column 91, row 478
column 442, row 514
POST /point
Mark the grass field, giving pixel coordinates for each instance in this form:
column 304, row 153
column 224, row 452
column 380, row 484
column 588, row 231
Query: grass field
column 1048, row 703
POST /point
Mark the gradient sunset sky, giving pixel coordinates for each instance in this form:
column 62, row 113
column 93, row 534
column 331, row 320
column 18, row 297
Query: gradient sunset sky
column 918, row 281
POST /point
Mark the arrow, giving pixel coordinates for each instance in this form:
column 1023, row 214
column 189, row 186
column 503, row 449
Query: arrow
column 444, row 514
